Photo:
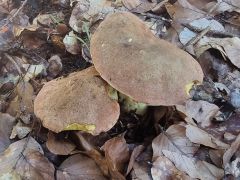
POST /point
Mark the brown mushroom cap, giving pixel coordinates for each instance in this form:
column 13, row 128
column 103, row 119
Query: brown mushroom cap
column 81, row 98
column 135, row 62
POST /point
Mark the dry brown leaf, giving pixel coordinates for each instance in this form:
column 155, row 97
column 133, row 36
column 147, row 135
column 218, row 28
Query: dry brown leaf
column 193, row 167
column 92, row 152
column 71, row 43
column 6, row 125
column 183, row 12
column 89, row 11
column 174, row 140
column 55, row 66
column 58, row 145
column 228, row 47
column 48, row 19
column 20, row 130
column 135, row 153
column 216, row 156
column 139, row 6
column 199, row 136
column 164, row 169
column 79, row 167
column 23, row 102
column 25, row 159
column 230, row 152
column 141, row 167
column 202, row 111
column 35, row 166
column 116, row 153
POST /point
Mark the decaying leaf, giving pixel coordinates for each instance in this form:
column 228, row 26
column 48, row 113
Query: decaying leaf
column 55, row 66
column 230, row 152
column 183, row 12
column 60, row 146
column 229, row 47
column 139, row 6
column 34, row 164
column 201, row 111
column 20, row 130
column 23, row 102
column 141, row 167
column 135, row 153
column 24, row 159
column 79, row 167
column 6, row 125
column 199, row 136
column 174, row 140
column 71, row 43
column 89, row 11
column 164, row 169
column 193, row 167
column 48, row 19
column 116, row 153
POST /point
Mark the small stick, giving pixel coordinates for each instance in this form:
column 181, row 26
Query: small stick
column 195, row 39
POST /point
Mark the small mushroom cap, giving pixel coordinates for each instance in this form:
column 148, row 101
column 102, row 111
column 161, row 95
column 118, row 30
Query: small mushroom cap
column 79, row 99
column 138, row 64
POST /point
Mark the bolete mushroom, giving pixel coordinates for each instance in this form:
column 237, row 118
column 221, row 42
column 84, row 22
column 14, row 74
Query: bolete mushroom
column 77, row 102
column 138, row 64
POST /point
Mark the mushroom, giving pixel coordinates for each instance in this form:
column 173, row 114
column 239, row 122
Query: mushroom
column 138, row 64
column 77, row 102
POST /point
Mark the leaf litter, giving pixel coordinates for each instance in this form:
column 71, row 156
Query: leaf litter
column 51, row 42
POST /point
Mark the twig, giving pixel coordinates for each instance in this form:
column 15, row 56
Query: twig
column 15, row 14
column 195, row 39
column 210, row 32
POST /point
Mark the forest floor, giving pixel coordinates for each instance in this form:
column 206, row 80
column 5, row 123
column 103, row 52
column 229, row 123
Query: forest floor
column 44, row 40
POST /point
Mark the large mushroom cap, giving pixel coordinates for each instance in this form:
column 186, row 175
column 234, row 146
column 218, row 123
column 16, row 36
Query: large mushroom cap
column 80, row 99
column 135, row 62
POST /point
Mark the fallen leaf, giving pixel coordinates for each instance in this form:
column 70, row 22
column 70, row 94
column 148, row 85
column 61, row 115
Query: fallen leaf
column 48, row 19
column 216, row 156
column 71, row 43
column 58, row 145
column 25, row 159
column 6, row 125
column 199, row 136
column 227, row 5
column 55, row 66
column 139, row 6
column 135, row 153
column 164, row 169
column 186, row 35
column 20, row 130
column 89, row 11
column 35, row 165
column 193, row 167
column 183, row 12
column 141, row 167
column 229, row 47
column 174, row 140
column 79, row 167
column 202, row 111
column 230, row 152
column 33, row 71
column 23, row 102
column 116, row 153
